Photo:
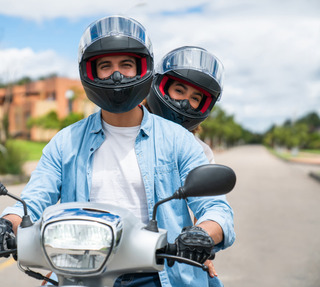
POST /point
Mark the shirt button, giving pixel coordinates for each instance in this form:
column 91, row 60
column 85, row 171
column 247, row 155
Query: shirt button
column 91, row 149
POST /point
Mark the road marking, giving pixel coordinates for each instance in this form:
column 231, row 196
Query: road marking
column 7, row 263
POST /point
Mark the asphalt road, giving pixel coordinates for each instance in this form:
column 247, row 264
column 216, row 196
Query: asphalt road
column 277, row 222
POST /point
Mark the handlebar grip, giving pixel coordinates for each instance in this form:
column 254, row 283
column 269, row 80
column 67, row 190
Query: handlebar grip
column 8, row 253
column 171, row 249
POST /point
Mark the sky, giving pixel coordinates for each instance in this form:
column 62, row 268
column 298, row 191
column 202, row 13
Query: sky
column 270, row 49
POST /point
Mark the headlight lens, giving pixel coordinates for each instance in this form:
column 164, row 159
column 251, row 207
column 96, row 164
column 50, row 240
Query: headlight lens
column 77, row 245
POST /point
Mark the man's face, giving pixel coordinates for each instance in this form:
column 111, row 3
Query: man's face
column 124, row 64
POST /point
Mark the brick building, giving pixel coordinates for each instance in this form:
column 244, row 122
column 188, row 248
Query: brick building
column 36, row 99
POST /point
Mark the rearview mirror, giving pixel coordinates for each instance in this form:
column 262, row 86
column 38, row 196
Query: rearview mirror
column 209, row 180
column 205, row 180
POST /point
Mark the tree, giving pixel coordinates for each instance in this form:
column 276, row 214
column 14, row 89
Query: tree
column 312, row 120
column 299, row 134
column 221, row 129
column 51, row 121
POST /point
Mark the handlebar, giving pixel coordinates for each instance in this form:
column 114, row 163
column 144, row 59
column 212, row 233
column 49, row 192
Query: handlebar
column 8, row 252
column 182, row 260
column 169, row 252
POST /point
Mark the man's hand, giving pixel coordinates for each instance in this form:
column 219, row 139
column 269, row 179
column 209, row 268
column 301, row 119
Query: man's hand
column 194, row 243
column 7, row 237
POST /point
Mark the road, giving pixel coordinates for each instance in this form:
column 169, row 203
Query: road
column 277, row 220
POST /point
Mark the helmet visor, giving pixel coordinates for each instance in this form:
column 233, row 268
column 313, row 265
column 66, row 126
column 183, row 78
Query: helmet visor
column 113, row 26
column 193, row 58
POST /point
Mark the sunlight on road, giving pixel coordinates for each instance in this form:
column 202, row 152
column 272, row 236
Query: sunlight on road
column 7, row 263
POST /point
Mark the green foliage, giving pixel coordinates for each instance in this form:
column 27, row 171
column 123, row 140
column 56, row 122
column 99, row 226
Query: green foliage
column 222, row 130
column 23, row 81
column 53, row 75
column 11, row 159
column 303, row 133
column 312, row 120
column 5, row 126
column 314, row 141
column 251, row 138
column 51, row 121
column 31, row 150
column 48, row 121
column 19, row 82
column 70, row 119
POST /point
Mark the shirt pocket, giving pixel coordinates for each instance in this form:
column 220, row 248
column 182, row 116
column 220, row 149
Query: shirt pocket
column 167, row 180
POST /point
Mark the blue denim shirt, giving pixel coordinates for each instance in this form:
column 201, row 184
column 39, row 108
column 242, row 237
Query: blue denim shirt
column 166, row 153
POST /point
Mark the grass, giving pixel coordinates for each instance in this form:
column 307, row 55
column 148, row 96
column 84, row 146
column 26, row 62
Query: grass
column 312, row 151
column 287, row 155
column 32, row 150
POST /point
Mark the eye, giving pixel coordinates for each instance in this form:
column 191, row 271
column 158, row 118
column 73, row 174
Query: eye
column 127, row 66
column 178, row 91
column 104, row 66
column 196, row 98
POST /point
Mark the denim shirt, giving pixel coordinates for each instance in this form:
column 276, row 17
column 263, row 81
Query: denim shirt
column 166, row 153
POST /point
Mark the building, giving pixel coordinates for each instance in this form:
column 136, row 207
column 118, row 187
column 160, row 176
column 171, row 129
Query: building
column 38, row 98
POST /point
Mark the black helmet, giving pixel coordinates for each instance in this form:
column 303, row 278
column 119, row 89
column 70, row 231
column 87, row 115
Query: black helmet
column 193, row 66
column 116, row 35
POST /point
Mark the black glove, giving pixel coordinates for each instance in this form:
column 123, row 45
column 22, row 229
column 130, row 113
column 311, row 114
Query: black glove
column 194, row 243
column 7, row 237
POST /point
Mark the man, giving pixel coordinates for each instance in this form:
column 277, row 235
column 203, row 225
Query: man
column 123, row 154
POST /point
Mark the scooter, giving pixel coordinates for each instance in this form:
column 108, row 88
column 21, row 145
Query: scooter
column 85, row 244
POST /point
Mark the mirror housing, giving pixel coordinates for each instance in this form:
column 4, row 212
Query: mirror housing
column 208, row 180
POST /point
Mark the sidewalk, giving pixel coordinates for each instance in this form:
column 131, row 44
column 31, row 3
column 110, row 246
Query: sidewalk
column 29, row 167
column 313, row 163
column 307, row 160
column 11, row 179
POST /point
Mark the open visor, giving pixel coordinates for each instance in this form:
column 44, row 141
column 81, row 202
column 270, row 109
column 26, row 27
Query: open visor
column 113, row 26
column 193, row 58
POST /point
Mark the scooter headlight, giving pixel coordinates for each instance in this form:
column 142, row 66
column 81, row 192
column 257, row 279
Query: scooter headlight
column 77, row 246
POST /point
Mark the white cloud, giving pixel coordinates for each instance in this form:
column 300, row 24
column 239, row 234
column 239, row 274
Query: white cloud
column 39, row 10
column 270, row 49
column 17, row 63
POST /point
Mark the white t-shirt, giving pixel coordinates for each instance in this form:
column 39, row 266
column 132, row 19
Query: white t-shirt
column 116, row 176
column 207, row 150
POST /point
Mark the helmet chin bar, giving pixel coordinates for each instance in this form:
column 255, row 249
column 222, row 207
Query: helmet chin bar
column 116, row 79
column 184, row 105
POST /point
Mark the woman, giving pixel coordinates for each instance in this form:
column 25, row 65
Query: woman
column 187, row 84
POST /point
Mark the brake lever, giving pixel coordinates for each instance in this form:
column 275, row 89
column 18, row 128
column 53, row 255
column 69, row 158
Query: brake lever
column 9, row 252
column 182, row 260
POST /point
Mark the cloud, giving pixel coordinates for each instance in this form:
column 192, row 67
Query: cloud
column 74, row 9
column 18, row 63
column 39, row 10
column 269, row 62
column 270, row 49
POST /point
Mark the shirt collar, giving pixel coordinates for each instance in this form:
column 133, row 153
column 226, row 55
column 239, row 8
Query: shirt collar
column 145, row 124
column 97, row 123
column 146, row 121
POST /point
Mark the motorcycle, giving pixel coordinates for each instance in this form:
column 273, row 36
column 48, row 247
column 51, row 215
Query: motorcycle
column 91, row 244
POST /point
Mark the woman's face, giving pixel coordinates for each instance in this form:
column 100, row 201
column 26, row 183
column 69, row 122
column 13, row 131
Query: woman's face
column 181, row 91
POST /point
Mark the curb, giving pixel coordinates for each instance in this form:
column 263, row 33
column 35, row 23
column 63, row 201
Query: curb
column 315, row 176
column 10, row 179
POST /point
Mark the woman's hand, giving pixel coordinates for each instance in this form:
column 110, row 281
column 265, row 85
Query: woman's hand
column 212, row 271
